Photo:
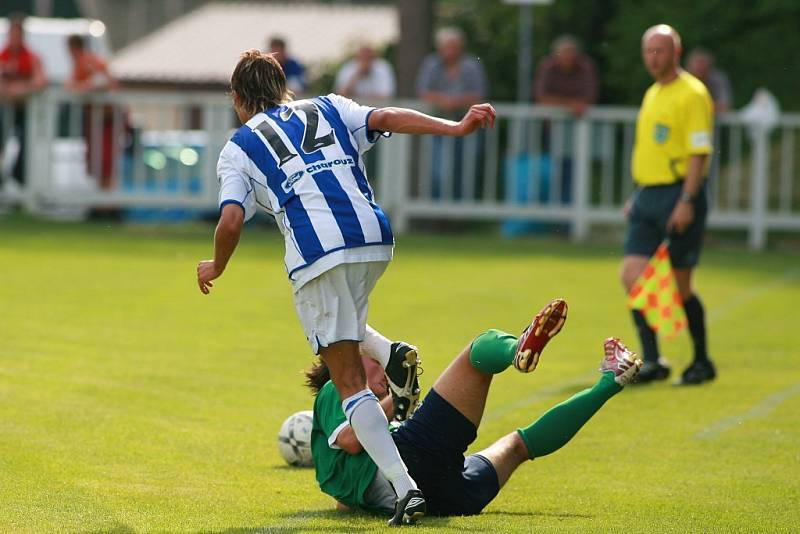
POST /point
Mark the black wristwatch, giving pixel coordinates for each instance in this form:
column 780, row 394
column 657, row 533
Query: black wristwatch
column 686, row 197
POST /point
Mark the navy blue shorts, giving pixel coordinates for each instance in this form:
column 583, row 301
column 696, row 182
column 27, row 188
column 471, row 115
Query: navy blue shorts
column 432, row 445
column 651, row 209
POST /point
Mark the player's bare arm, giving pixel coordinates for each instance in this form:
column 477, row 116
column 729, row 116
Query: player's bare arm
column 226, row 237
column 409, row 121
column 683, row 212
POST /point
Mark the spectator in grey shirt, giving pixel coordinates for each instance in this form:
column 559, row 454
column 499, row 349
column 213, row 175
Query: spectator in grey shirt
column 449, row 79
column 700, row 64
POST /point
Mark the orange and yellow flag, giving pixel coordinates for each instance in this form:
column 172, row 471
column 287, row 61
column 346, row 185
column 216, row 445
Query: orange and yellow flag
column 656, row 294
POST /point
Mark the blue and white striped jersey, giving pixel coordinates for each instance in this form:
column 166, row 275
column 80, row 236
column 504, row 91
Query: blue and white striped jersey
column 302, row 163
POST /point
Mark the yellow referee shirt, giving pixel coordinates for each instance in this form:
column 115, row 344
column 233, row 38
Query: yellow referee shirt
column 675, row 121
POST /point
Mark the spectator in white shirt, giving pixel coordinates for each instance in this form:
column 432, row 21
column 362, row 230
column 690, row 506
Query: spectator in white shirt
column 366, row 76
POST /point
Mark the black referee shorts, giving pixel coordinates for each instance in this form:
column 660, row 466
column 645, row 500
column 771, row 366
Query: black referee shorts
column 647, row 226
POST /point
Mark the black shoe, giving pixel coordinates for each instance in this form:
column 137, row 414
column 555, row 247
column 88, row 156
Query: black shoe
column 652, row 371
column 408, row 509
column 401, row 373
column 698, row 372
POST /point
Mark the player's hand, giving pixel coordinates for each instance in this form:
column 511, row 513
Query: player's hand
column 478, row 116
column 681, row 218
column 207, row 271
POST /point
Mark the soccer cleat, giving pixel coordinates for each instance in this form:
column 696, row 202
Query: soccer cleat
column 653, row 371
column 620, row 361
column 401, row 374
column 698, row 372
column 408, row 509
column 546, row 324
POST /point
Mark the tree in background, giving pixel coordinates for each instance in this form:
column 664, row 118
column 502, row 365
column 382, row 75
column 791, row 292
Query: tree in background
column 754, row 41
column 416, row 40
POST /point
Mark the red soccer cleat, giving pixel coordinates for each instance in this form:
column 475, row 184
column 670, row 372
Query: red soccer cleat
column 544, row 326
column 620, row 361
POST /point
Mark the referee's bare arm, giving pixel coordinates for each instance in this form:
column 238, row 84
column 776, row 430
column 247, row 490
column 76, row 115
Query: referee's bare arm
column 682, row 214
column 694, row 174
column 409, row 121
column 226, row 237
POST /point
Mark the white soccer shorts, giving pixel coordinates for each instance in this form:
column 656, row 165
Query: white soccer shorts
column 333, row 306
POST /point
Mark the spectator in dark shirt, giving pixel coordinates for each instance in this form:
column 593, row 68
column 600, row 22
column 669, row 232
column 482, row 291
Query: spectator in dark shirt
column 700, row 64
column 293, row 69
column 567, row 77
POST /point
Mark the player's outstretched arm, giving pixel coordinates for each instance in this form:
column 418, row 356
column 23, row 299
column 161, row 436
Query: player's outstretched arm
column 226, row 237
column 409, row 121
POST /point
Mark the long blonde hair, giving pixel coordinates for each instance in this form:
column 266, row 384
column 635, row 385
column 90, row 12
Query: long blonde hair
column 259, row 82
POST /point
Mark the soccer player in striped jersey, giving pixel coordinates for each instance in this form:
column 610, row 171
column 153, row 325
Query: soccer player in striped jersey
column 302, row 163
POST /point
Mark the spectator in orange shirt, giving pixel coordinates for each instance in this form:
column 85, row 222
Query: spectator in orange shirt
column 90, row 73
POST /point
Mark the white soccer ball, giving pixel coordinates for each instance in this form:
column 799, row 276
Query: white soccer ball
column 294, row 439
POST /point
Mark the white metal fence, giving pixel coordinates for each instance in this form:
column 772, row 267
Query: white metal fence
column 157, row 150
column 129, row 149
column 538, row 163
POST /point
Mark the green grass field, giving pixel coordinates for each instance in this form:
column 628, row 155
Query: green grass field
column 129, row 402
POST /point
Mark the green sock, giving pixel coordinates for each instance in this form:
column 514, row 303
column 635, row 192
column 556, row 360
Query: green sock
column 561, row 422
column 493, row 351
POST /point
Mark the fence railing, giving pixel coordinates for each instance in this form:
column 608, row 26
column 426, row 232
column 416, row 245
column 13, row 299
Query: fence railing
column 125, row 149
column 157, row 150
column 541, row 164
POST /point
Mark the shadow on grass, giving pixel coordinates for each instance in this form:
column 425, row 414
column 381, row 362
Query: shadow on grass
column 304, row 521
column 537, row 513
column 117, row 528
column 339, row 521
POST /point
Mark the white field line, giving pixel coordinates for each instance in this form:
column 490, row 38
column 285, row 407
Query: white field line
column 743, row 297
column 773, row 401
column 762, row 409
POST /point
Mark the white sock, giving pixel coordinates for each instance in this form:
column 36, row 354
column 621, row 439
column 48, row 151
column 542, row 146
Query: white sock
column 376, row 347
column 372, row 430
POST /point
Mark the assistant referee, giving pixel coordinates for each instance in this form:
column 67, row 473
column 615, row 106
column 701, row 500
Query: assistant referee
column 670, row 162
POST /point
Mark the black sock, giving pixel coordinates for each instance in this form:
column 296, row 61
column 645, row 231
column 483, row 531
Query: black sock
column 647, row 336
column 696, row 317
